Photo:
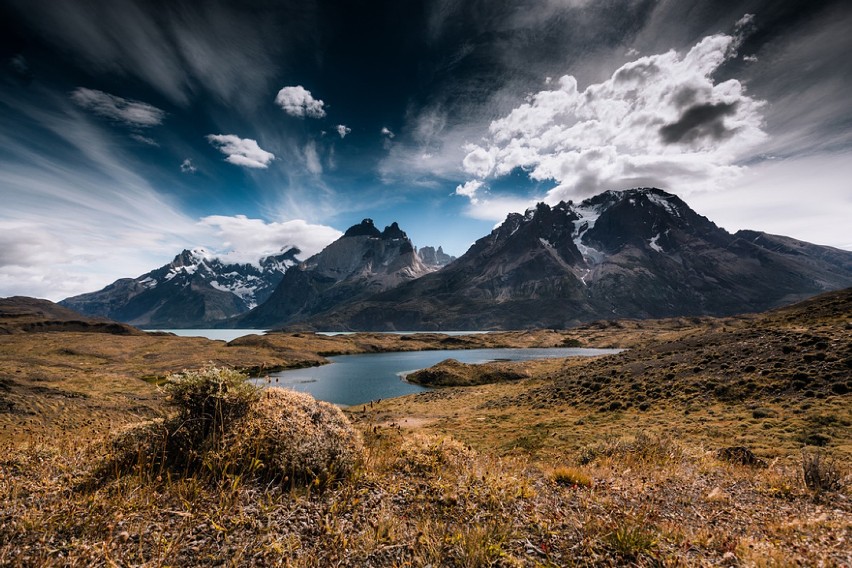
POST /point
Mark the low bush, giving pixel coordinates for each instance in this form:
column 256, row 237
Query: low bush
column 288, row 435
column 225, row 426
column 820, row 474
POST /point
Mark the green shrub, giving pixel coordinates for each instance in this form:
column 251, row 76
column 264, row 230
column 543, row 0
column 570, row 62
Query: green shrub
column 631, row 541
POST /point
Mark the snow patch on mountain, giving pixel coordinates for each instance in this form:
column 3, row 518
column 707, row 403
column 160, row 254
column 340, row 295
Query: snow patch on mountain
column 588, row 215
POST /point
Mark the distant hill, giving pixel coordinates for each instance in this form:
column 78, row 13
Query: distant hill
column 20, row 314
column 640, row 253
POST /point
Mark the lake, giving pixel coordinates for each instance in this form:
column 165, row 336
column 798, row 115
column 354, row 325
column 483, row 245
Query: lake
column 357, row 379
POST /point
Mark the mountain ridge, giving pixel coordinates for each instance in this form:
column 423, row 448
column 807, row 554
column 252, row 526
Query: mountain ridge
column 638, row 253
column 195, row 289
column 362, row 262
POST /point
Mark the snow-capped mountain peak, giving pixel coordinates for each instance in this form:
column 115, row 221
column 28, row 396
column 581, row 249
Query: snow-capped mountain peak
column 196, row 286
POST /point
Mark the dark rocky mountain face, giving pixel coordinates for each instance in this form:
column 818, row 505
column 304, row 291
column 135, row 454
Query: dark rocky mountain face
column 194, row 290
column 639, row 253
column 363, row 262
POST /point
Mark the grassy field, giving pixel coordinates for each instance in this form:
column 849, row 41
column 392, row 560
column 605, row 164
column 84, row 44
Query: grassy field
column 708, row 442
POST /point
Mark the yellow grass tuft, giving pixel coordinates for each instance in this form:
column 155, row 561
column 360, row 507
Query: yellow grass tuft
column 571, row 477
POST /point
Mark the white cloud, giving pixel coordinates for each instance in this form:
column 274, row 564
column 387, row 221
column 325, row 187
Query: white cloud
column 659, row 120
column 478, row 161
column 241, row 151
column 298, row 101
column 746, row 21
column 187, row 167
column 128, row 111
column 496, row 208
column 247, row 240
column 343, row 130
column 312, row 161
column 385, row 131
column 469, row 189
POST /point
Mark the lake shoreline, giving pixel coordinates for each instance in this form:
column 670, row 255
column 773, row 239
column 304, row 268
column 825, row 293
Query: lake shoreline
column 356, row 379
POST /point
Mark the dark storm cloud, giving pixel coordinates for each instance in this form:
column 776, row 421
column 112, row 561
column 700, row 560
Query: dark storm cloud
column 700, row 121
column 228, row 50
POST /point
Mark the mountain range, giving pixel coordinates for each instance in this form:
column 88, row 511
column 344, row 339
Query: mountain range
column 363, row 262
column 639, row 253
column 196, row 289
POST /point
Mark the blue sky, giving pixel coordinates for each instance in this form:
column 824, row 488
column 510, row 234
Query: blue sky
column 130, row 130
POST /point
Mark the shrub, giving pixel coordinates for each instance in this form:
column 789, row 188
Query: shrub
column 740, row 455
column 226, row 426
column 207, row 403
column 288, row 435
column 644, row 448
column 820, row 474
column 631, row 541
column 143, row 448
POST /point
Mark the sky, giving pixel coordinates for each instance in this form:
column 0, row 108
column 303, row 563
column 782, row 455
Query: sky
column 133, row 129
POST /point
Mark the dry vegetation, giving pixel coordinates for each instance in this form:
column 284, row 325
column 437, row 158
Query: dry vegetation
column 709, row 442
column 85, row 384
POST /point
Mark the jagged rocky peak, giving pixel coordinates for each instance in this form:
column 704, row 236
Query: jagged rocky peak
column 365, row 228
column 583, row 235
column 282, row 260
column 393, row 232
column 190, row 257
column 436, row 258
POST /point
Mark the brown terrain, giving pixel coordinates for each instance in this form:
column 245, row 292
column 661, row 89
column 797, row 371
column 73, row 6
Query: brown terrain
column 707, row 442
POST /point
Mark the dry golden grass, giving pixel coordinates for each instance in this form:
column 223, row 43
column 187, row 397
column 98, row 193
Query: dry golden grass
column 419, row 499
column 477, row 476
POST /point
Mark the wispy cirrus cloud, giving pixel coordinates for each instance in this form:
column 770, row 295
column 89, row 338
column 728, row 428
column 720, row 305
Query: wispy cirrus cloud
column 299, row 102
column 312, row 159
column 132, row 113
column 229, row 50
column 144, row 140
column 241, row 151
